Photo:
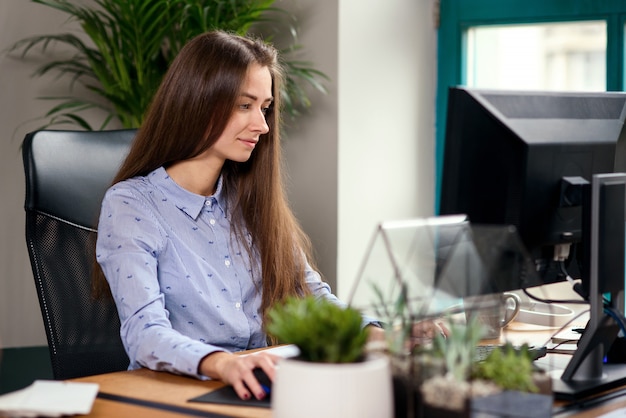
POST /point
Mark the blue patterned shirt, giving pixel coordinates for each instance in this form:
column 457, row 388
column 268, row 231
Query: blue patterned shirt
column 182, row 287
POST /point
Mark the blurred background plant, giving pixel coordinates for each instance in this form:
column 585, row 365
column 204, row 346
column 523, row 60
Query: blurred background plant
column 130, row 43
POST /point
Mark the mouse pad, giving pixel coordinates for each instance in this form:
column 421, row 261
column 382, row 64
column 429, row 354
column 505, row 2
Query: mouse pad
column 228, row 396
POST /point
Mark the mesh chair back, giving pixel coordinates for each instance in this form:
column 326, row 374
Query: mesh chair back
column 67, row 173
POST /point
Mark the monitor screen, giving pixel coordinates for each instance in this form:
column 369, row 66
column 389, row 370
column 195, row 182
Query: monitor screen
column 521, row 158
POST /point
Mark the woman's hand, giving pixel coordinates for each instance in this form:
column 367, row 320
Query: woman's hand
column 236, row 370
column 422, row 333
column 427, row 330
column 375, row 334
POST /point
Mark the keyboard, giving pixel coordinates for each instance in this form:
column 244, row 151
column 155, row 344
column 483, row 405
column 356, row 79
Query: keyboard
column 483, row 351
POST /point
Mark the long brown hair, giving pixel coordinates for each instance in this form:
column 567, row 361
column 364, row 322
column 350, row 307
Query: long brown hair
column 188, row 114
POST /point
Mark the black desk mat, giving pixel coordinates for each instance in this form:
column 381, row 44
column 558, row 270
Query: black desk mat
column 228, row 396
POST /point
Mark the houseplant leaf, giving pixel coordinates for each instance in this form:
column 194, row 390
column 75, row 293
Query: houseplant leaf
column 128, row 45
column 323, row 331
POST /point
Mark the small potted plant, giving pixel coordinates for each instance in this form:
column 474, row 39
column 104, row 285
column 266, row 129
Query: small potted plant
column 412, row 361
column 503, row 384
column 333, row 375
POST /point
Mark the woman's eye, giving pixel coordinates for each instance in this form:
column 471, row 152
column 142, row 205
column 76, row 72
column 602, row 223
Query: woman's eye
column 247, row 106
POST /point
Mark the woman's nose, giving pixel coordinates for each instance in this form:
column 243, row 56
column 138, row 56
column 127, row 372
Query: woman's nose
column 260, row 123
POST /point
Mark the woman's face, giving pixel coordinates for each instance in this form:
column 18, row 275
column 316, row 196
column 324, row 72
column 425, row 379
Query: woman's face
column 247, row 122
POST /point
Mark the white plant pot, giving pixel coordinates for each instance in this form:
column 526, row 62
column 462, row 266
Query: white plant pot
column 322, row 390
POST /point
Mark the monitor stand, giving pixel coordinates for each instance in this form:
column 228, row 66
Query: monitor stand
column 592, row 375
column 604, row 236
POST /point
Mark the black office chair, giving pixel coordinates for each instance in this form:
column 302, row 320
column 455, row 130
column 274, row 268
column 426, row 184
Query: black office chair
column 67, row 173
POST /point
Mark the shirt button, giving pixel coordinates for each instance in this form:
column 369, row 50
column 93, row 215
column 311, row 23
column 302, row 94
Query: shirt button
column 227, row 262
column 212, row 221
column 207, row 203
column 238, row 305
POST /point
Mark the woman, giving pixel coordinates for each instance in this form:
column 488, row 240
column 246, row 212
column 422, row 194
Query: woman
column 196, row 238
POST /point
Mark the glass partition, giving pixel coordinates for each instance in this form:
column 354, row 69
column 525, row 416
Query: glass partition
column 420, row 268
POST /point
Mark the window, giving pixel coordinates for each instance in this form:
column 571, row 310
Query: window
column 529, row 44
column 542, row 56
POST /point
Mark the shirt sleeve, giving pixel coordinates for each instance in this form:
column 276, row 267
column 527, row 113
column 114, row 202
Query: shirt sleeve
column 130, row 239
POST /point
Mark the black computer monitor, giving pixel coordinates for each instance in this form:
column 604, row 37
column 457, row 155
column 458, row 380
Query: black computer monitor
column 519, row 158
column 537, row 160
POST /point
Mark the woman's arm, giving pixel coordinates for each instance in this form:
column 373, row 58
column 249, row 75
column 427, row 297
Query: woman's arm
column 129, row 242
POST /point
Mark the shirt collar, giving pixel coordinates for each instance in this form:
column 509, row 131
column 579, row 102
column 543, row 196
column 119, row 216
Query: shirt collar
column 188, row 202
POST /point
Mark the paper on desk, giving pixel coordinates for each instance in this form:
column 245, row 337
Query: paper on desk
column 284, row 351
column 49, row 398
column 618, row 413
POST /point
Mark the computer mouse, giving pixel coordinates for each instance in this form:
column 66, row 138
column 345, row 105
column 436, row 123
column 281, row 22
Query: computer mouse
column 263, row 379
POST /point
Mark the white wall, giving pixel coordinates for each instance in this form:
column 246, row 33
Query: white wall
column 363, row 154
column 20, row 318
column 387, row 80
column 311, row 141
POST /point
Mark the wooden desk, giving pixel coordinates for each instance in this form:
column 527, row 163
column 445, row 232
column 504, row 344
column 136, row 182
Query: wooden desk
column 162, row 390
column 168, row 390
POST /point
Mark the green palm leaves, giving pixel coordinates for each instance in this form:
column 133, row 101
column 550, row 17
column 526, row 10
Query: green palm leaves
column 130, row 43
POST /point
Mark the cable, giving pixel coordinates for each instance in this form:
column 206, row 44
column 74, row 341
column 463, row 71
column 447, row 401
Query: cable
column 575, row 285
column 538, row 299
column 563, row 270
column 621, row 321
column 567, row 324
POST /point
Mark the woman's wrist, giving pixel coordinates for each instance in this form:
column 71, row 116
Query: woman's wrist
column 212, row 364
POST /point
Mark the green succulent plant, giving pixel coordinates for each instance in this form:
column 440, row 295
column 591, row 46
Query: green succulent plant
column 397, row 317
column 509, row 368
column 323, row 331
column 458, row 348
column 127, row 46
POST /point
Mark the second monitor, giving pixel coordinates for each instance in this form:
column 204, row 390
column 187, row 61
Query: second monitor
column 542, row 161
column 521, row 158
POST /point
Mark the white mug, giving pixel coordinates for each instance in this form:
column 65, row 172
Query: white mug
column 493, row 311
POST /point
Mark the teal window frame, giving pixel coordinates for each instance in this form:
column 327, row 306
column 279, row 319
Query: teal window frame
column 456, row 16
